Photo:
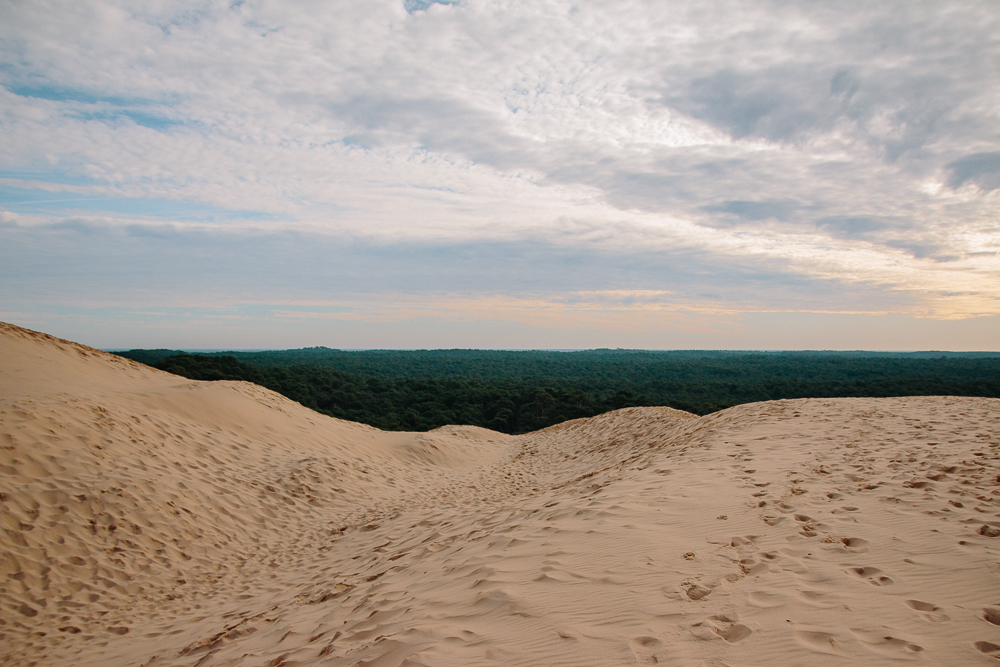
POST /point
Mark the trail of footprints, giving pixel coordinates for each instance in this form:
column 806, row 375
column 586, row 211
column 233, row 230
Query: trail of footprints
column 807, row 509
column 778, row 502
column 825, row 486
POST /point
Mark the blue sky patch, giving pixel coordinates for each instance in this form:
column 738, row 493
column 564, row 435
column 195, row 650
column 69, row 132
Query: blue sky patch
column 27, row 201
column 422, row 5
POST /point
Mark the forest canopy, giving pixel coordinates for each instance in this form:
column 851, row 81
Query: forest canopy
column 521, row 391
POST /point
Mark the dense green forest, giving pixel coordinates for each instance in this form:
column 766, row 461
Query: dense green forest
column 517, row 392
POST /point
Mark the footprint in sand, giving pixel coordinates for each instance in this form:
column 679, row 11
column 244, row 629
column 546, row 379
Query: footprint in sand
column 989, row 648
column 819, row 641
column 855, row 544
column 928, row 611
column 991, row 615
column 844, row 510
column 723, row 626
column 750, row 567
column 808, row 525
column 645, row 649
column 885, row 644
column 872, row 575
column 696, row 591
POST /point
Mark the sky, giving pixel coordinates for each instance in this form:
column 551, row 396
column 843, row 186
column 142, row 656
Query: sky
column 509, row 174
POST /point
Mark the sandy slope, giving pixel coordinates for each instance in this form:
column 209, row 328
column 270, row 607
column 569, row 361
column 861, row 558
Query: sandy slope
column 151, row 520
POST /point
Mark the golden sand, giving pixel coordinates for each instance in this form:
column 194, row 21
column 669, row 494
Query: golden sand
column 151, row 520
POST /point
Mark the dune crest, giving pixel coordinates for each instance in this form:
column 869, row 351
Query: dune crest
column 152, row 520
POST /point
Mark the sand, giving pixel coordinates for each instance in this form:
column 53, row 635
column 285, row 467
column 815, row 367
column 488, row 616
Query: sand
column 151, row 520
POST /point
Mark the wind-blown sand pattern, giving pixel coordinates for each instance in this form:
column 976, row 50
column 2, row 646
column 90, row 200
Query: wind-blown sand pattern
column 151, row 520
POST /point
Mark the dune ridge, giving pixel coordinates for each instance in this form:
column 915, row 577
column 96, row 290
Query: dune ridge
column 152, row 520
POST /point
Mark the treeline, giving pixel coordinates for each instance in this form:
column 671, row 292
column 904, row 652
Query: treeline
column 517, row 392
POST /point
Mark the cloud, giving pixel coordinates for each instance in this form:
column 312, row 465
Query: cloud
column 754, row 211
column 983, row 169
column 794, row 147
column 769, row 104
column 858, row 227
column 436, row 124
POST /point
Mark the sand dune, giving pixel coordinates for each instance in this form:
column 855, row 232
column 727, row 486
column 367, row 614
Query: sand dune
column 151, row 520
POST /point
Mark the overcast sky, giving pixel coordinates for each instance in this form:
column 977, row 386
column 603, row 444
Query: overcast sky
column 505, row 174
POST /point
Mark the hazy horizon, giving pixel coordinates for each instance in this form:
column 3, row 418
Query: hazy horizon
column 590, row 349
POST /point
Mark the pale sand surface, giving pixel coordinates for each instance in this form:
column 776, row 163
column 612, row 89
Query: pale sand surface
column 151, row 520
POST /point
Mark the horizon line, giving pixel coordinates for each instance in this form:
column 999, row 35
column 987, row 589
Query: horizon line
column 540, row 349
